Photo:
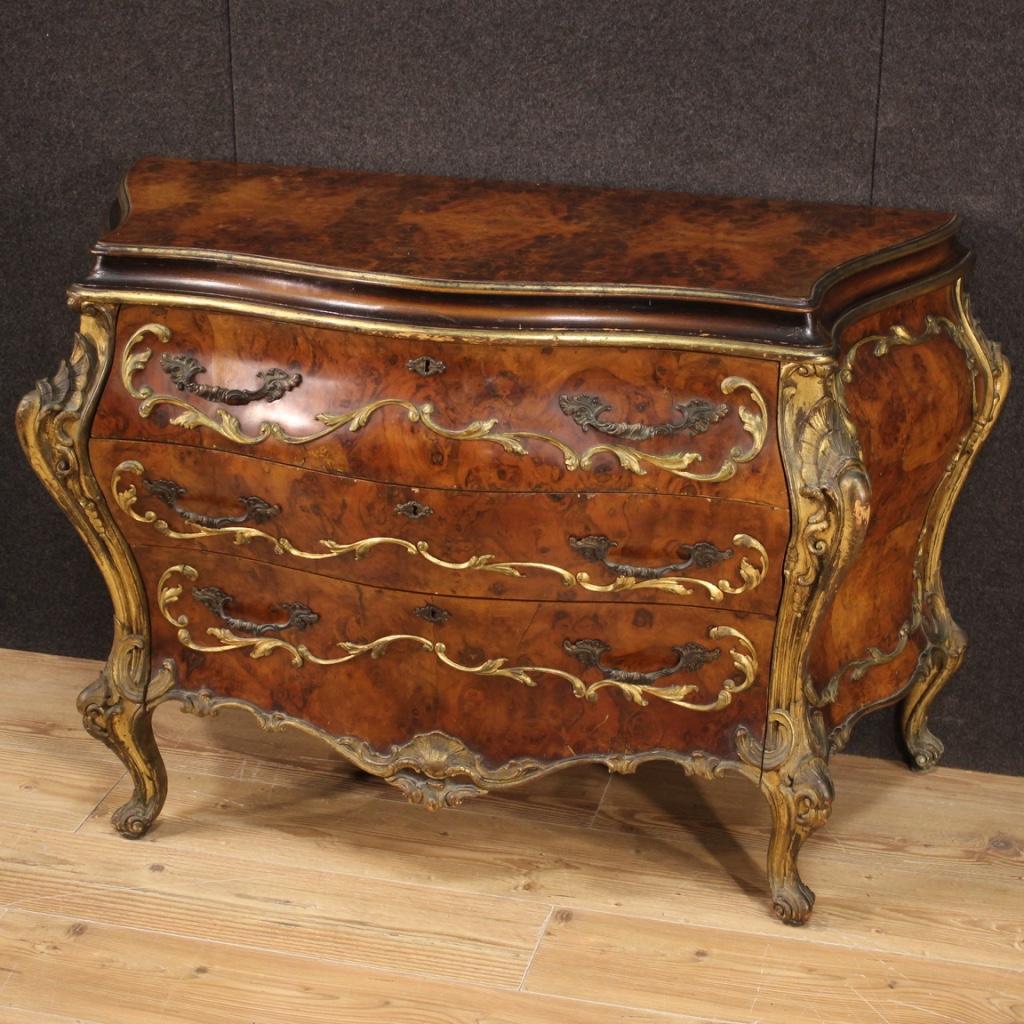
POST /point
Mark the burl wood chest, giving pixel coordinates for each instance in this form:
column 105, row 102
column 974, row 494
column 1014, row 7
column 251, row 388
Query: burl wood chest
column 478, row 480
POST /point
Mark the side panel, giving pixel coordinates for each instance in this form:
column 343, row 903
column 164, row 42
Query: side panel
column 914, row 377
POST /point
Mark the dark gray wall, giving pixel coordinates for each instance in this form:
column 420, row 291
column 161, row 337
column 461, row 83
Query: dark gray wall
column 885, row 101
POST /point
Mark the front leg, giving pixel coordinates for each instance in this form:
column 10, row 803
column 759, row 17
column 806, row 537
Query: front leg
column 126, row 728
column 801, row 802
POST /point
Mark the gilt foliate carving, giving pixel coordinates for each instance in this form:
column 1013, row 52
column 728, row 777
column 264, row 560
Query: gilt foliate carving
column 754, row 422
column 638, row 688
column 944, row 641
column 627, row 578
column 53, row 424
column 830, row 496
column 438, row 770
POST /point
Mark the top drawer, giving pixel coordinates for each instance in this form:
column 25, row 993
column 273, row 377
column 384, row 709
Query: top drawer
column 468, row 415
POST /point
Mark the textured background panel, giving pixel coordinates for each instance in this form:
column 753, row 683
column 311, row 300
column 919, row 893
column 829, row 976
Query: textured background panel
column 951, row 112
column 774, row 99
column 89, row 85
column 739, row 96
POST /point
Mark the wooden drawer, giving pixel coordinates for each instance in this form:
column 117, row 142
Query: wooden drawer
column 598, row 546
column 412, row 410
column 510, row 678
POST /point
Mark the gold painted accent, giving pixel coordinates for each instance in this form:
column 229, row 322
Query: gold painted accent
column 945, row 641
column 376, row 278
column 744, row 658
column 830, row 496
column 612, row 338
column 53, row 426
column 134, row 360
column 795, row 780
column 751, row 576
column 438, row 770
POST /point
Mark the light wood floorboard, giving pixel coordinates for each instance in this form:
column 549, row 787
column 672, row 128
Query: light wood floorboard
column 282, row 885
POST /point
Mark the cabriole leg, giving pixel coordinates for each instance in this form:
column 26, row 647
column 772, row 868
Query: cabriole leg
column 939, row 660
column 800, row 804
column 127, row 729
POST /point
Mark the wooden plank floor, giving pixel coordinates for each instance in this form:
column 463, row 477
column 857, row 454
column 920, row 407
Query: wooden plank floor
column 279, row 886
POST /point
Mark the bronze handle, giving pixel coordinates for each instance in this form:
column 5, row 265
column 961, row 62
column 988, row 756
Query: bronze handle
column 586, row 410
column 257, row 510
column 183, row 369
column 414, row 510
column 689, row 658
column 426, row 366
column 431, row 613
column 299, row 615
column 595, row 548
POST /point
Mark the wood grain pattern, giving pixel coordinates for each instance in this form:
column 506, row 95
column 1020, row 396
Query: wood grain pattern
column 487, row 231
column 480, row 939
column 923, row 917
column 512, row 527
column 516, row 386
column 912, row 406
column 389, row 699
column 686, row 970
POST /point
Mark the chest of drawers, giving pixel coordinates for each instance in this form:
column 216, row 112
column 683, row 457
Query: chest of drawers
column 476, row 481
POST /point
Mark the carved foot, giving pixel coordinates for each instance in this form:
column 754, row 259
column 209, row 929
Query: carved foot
column 126, row 728
column 801, row 801
column 947, row 643
column 925, row 748
column 792, row 900
column 134, row 818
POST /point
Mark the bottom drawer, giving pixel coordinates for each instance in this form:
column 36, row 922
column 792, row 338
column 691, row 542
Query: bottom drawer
column 509, row 678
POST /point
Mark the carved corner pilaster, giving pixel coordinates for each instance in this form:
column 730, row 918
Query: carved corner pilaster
column 830, row 500
column 53, row 422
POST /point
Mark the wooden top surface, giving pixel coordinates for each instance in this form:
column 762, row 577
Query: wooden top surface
column 447, row 232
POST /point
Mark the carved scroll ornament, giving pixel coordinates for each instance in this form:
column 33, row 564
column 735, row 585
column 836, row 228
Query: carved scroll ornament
column 750, row 574
column 633, row 686
column 754, row 422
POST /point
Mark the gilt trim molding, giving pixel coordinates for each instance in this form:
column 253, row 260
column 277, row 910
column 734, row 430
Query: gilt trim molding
column 134, row 360
column 636, row 690
column 750, row 575
column 438, row 770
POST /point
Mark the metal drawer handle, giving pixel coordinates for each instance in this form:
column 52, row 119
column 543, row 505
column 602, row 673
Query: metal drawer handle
column 426, row 366
column 299, row 615
column 183, row 369
column 257, row 510
column 689, row 658
column 586, row 410
column 414, row 510
column 595, row 548
column 431, row 613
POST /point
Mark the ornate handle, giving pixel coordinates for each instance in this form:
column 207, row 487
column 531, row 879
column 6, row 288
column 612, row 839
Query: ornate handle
column 414, row 510
column 426, row 366
column 595, row 548
column 586, row 410
column 431, row 613
column 689, row 658
column 183, row 369
column 299, row 615
column 257, row 510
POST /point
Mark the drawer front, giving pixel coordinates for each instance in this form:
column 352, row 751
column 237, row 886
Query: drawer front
column 508, row 678
column 447, row 414
column 598, row 546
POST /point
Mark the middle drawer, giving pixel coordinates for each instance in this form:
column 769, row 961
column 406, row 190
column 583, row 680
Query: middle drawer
column 515, row 545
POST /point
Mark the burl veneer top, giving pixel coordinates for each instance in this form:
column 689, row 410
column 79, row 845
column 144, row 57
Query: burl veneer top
column 416, row 236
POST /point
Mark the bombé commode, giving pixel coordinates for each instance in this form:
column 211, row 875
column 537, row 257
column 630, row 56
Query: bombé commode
column 479, row 480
